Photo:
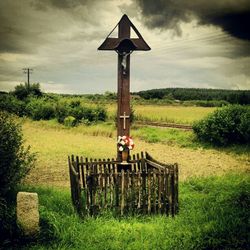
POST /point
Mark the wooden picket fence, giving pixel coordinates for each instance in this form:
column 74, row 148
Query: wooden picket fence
column 144, row 186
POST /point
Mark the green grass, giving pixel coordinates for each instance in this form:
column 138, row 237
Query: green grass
column 169, row 114
column 166, row 136
column 214, row 214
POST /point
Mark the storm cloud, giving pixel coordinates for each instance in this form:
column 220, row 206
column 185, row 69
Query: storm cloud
column 59, row 40
column 231, row 16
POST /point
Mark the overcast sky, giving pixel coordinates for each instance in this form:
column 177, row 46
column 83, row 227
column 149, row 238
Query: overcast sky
column 196, row 43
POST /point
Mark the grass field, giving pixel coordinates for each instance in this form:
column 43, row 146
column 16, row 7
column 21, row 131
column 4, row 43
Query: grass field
column 171, row 114
column 214, row 191
column 53, row 143
column 213, row 215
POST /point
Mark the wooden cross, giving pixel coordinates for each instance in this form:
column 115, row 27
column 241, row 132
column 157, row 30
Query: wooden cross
column 124, row 117
column 124, row 46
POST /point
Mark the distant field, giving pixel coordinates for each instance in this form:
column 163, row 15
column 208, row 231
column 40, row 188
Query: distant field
column 171, row 114
column 53, row 143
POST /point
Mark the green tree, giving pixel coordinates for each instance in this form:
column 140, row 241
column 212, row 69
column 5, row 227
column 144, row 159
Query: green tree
column 22, row 91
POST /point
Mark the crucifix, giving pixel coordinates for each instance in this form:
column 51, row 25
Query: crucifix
column 124, row 45
column 124, row 116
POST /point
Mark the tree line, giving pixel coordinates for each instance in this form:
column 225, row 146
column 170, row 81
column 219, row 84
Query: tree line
column 187, row 94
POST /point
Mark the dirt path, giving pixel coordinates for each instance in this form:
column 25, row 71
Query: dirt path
column 165, row 125
column 54, row 145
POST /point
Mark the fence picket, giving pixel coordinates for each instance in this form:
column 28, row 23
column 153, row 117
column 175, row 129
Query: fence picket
column 149, row 192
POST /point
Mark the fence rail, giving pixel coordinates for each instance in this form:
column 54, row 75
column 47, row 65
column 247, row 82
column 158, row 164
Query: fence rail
column 147, row 186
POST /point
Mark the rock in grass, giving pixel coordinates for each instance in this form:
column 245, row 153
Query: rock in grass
column 27, row 213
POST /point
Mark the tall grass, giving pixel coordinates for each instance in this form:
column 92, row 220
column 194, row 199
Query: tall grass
column 214, row 214
column 170, row 114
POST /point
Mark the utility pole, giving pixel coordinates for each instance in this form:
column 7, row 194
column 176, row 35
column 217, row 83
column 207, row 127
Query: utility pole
column 28, row 71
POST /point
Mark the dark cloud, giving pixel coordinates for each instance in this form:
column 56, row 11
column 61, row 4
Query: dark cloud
column 232, row 16
column 27, row 25
column 60, row 4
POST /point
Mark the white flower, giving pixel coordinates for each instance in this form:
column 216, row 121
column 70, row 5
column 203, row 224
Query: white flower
column 120, row 148
column 130, row 147
column 122, row 142
column 124, row 137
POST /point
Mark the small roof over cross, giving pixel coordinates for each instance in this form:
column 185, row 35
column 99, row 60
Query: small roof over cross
column 123, row 41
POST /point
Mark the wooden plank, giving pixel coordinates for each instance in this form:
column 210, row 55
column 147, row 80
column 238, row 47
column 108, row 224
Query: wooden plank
column 159, row 191
column 114, row 165
column 154, row 165
column 91, row 186
column 111, row 185
column 165, row 188
column 72, row 188
column 116, row 189
column 139, row 189
column 82, row 173
column 138, row 163
column 77, row 168
column 122, row 191
column 176, row 189
column 143, row 162
column 108, row 170
column 172, row 193
column 155, row 190
column 149, row 192
column 144, row 174
column 170, row 197
column 133, row 191
column 87, row 170
column 134, row 164
column 105, row 187
column 129, row 190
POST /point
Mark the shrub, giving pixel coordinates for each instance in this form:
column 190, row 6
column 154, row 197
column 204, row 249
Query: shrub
column 100, row 114
column 69, row 121
column 15, row 163
column 11, row 104
column 62, row 111
column 16, row 160
column 40, row 109
column 225, row 126
column 79, row 112
column 23, row 91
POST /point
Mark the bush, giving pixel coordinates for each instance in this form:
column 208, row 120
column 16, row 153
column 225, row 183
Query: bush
column 100, row 114
column 23, row 91
column 40, row 109
column 16, row 161
column 62, row 111
column 69, row 121
column 79, row 112
column 225, row 126
column 11, row 104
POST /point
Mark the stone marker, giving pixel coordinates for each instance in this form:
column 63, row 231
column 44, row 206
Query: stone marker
column 27, row 213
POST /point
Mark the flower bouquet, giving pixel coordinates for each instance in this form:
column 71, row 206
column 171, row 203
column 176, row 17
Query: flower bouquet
column 125, row 143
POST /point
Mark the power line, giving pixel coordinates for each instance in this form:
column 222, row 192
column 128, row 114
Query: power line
column 28, row 71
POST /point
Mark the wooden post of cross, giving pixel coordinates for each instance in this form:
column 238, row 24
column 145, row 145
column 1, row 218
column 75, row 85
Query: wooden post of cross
column 124, row 45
